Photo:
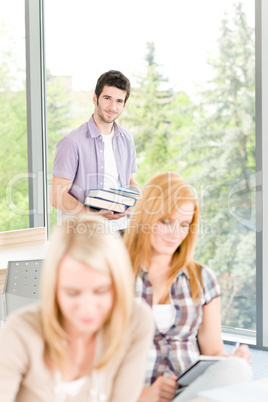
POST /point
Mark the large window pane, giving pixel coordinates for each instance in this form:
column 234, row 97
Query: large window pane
column 192, row 110
column 14, row 200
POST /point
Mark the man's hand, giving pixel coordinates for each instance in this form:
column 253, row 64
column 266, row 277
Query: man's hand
column 113, row 215
column 162, row 390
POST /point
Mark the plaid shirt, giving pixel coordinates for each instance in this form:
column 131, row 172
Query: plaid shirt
column 176, row 349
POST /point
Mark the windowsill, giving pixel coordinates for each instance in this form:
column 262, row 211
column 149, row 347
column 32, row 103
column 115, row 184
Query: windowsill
column 239, row 337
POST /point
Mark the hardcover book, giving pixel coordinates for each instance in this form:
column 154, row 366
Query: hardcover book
column 99, row 203
column 112, row 196
column 125, row 191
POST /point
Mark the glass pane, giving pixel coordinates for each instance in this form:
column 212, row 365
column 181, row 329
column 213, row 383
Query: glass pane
column 14, row 200
column 191, row 110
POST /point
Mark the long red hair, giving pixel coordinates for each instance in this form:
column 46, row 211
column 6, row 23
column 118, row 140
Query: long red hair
column 162, row 196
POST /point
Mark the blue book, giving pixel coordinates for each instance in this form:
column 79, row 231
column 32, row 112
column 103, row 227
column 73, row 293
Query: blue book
column 125, row 191
column 112, row 196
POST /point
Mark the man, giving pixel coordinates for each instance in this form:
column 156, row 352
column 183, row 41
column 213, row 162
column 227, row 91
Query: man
column 98, row 154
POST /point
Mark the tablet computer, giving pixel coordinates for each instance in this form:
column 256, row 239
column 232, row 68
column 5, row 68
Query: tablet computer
column 196, row 369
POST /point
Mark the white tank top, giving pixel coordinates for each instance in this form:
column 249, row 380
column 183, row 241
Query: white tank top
column 111, row 178
column 164, row 316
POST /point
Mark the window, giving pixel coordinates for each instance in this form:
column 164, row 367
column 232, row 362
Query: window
column 14, row 199
column 192, row 110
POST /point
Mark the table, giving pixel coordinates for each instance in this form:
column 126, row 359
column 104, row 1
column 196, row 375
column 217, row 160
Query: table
column 263, row 381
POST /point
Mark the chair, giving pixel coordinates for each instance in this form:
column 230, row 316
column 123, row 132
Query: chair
column 21, row 286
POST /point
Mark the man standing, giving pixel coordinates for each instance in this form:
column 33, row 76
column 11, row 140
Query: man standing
column 98, row 154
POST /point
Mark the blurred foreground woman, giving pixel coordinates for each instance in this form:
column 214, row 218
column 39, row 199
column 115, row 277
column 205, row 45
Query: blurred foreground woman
column 87, row 339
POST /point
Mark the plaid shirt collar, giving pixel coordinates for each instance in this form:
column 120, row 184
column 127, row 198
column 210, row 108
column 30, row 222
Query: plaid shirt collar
column 175, row 294
column 147, row 291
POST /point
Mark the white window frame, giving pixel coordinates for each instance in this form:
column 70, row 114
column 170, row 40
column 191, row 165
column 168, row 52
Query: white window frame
column 36, row 113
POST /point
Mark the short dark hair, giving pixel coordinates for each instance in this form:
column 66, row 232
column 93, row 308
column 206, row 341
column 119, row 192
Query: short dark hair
column 113, row 78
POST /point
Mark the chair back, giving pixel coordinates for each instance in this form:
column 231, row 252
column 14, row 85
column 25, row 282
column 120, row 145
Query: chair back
column 21, row 284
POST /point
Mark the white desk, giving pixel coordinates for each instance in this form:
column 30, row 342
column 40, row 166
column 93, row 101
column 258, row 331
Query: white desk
column 263, row 381
column 23, row 253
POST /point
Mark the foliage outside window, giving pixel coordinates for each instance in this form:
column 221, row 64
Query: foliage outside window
column 210, row 139
column 14, row 201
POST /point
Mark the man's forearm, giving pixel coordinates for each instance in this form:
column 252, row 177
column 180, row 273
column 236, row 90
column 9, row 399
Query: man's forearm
column 67, row 203
column 134, row 185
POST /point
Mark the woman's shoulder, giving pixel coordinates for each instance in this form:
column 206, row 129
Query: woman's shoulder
column 211, row 287
column 207, row 273
column 25, row 319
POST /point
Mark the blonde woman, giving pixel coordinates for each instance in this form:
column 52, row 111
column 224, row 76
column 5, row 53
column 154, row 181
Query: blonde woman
column 87, row 340
column 183, row 294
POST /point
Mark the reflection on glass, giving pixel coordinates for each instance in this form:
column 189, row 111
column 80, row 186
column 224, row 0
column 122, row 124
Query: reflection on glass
column 14, row 201
column 191, row 110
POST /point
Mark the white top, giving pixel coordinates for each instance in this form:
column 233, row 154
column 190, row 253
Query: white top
column 164, row 316
column 71, row 388
column 110, row 168
column 111, row 175
column 64, row 389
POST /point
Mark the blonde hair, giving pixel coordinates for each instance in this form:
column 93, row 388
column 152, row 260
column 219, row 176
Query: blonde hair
column 162, row 196
column 88, row 239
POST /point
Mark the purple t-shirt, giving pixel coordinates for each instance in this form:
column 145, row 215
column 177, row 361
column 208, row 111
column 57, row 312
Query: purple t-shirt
column 80, row 157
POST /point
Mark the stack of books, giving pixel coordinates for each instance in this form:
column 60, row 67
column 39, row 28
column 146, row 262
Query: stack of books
column 114, row 199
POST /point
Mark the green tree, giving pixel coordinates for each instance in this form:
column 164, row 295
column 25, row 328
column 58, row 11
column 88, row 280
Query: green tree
column 59, row 121
column 147, row 118
column 13, row 161
column 14, row 199
column 14, row 203
column 220, row 154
